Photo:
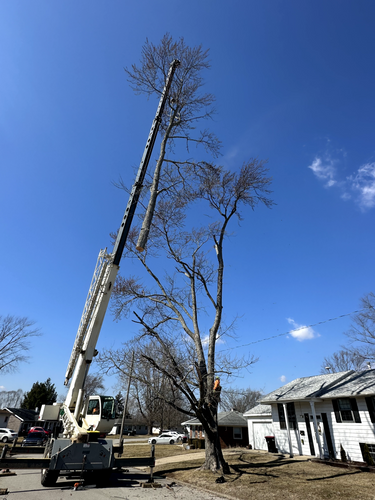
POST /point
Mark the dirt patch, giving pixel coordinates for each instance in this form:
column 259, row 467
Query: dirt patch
column 259, row 476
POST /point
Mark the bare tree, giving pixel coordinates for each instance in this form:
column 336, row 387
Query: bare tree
column 172, row 305
column 342, row 361
column 362, row 332
column 11, row 399
column 94, row 383
column 186, row 106
column 151, row 393
column 240, row 400
column 15, row 335
column 179, row 304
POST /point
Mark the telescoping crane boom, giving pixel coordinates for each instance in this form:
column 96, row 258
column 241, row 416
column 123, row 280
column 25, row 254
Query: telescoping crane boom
column 84, row 419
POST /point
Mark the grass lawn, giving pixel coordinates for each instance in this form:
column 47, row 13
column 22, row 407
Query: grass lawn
column 161, row 451
column 264, row 476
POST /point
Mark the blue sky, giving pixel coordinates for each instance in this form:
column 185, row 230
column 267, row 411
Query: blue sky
column 294, row 83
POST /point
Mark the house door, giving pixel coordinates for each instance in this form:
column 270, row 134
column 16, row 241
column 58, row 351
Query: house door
column 327, row 433
column 308, row 428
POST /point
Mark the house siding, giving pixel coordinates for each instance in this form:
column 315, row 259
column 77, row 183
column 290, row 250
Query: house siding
column 227, row 439
column 4, row 420
column 347, row 434
column 350, row 434
column 225, row 434
column 14, row 423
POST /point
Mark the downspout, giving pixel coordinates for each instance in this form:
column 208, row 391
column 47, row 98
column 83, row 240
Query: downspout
column 288, row 430
column 317, row 437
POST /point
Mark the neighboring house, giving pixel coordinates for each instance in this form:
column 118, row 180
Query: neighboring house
column 259, row 423
column 317, row 415
column 232, row 429
column 157, row 430
column 130, row 425
column 4, row 418
column 21, row 420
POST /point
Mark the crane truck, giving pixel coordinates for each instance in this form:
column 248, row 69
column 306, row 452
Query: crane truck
column 84, row 420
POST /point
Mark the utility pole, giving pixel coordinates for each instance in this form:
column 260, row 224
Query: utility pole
column 126, row 403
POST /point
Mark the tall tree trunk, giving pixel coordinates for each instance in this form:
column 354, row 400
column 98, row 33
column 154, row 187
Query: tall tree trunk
column 214, row 458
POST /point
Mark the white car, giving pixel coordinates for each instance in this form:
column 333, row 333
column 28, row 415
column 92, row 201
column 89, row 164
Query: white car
column 178, row 435
column 7, row 435
column 164, row 439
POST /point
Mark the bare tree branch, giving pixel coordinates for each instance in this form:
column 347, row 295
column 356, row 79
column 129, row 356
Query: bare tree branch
column 15, row 335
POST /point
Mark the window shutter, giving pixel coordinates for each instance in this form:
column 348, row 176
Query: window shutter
column 336, row 410
column 354, row 407
column 371, row 408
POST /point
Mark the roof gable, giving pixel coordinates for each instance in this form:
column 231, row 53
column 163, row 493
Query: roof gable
column 259, row 410
column 231, row 418
column 23, row 414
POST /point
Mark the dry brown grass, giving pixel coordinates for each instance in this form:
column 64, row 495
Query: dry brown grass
column 161, row 451
column 265, row 476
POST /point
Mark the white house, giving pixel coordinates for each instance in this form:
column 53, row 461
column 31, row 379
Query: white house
column 315, row 415
column 259, row 423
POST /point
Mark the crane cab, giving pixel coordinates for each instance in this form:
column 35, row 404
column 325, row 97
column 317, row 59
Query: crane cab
column 99, row 413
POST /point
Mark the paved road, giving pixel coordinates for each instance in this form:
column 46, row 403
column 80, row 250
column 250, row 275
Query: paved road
column 125, row 485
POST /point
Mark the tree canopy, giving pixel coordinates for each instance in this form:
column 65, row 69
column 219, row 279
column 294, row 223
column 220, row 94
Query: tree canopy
column 41, row 393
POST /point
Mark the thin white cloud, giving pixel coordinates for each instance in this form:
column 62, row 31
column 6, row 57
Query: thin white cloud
column 2, row 387
column 301, row 332
column 324, row 170
column 363, row 183
column 205, row 340
column 359, row 187
column 283, row 378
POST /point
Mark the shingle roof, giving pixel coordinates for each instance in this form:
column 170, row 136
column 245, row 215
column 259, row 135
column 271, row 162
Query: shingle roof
column 224, row 418
column 231, row 418
column 23, row 414
column 259, row 410
column 358, row 383
column 306, row 387
column 330, row 385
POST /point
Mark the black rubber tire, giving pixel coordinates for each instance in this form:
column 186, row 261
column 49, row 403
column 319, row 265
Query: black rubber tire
column 4, row 439
column 171, row 441
column 153, row 441
column 49, row 477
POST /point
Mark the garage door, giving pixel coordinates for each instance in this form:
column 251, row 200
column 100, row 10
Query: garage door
column 260, row 430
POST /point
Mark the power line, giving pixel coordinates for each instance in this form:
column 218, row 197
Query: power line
column 292, row 331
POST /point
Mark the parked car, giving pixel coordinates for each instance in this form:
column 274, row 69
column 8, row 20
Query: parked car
column 39, row 429
column 164, row 439
column 35, row 439
column 178, row 435
column 7, row 435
